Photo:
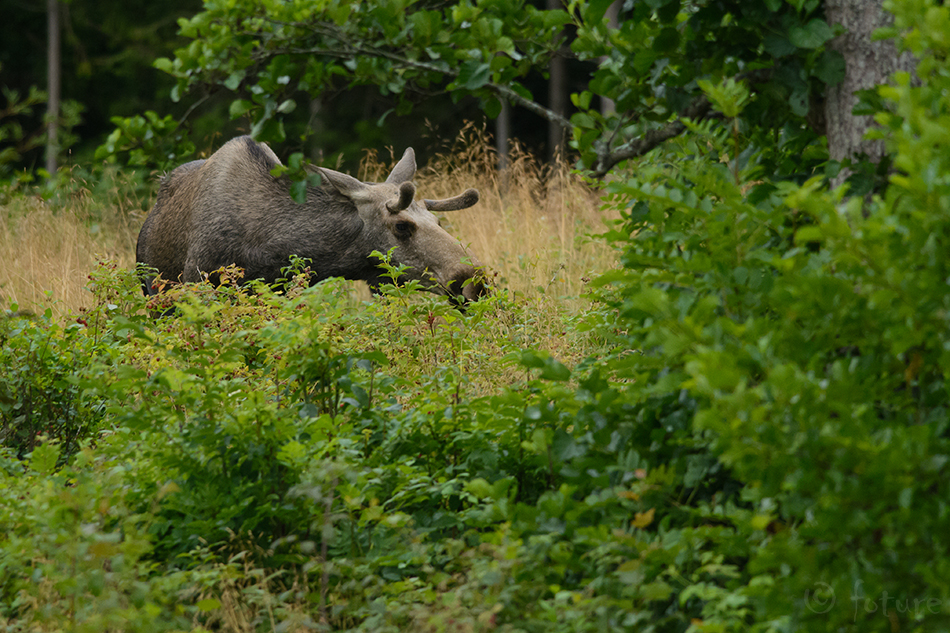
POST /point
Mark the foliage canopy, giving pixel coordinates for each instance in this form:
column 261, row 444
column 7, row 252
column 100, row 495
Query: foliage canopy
column 271, row 56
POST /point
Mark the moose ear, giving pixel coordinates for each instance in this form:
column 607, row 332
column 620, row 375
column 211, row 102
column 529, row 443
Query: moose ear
column 344, row 183
column 405, row 169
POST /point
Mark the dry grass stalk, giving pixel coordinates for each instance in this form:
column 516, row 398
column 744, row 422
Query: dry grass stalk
column 530, row 228
column 532, row 223
column 48, row 254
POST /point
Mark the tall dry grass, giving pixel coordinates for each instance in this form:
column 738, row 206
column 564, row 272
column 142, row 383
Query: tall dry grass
column 531, row 227
column 48, row 247
column 535, row 224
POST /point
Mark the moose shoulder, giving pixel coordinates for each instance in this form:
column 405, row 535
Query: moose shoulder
column 229, row 209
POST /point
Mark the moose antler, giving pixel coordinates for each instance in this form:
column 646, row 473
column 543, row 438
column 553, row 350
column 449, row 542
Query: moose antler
column 407, row 191
column 464, row 200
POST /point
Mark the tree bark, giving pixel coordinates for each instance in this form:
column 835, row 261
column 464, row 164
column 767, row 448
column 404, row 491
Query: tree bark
column 867, row 64
column 557, row 96
column 317, row 129
column 502, row 135
column 607, row 105
column 52, row 85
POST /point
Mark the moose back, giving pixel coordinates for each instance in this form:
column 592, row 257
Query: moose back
column 229, row 209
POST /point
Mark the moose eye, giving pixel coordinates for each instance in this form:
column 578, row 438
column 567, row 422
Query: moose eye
column 403, row 228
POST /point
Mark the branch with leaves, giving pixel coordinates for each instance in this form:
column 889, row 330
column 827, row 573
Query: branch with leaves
column 649, row 64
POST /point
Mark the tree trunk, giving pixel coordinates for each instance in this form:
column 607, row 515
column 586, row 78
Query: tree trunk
column 52, row 85
column 607, row 105
column 502, row 135
column 316, row 129
column 867, row 64
column 557, row 96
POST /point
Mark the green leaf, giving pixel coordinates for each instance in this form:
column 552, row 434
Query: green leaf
column 474, row 74
column 798, row 102
column 830, row 68
column 522, row 91
column 596, row 10
column 44, row 457
column 239, row 108
column 777, row 45
column 298, row 191
column 492, row 107
column 650, row 300
column 233, row 82
column 208, row 604
column 906, row 497
column 657, row 590
column 479, row 487
column 643, row 59
column 668, row 12
column 811, row 35
column 163, row 64
column 551, row 368
column 582, row 100
column 555, row 19
column 666, row 41
column 729, row 96
column 808, row 234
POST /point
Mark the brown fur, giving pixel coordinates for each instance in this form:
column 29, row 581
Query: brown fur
column 229, row 209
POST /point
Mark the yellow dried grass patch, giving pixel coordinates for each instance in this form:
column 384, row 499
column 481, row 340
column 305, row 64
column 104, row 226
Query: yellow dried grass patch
column 533, row 223
column 48, row 253
column 530, row 228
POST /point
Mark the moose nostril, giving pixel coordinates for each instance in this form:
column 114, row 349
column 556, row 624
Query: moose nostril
column 468, row 287
column 474, row 290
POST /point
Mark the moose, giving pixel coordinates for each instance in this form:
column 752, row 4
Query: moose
column 230, row 209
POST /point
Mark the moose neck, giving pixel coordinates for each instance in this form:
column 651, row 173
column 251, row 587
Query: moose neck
column 334, row 237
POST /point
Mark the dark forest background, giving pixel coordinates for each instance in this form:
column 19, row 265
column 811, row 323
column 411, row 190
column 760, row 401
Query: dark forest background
column 107, row 50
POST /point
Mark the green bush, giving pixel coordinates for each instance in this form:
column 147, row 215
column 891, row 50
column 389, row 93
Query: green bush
column 44, row 365
column 38, row 357
column 72, row 547
column 808, row 331
column 758, row 439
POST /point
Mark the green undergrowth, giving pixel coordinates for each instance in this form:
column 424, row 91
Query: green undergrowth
column 256, row 458
column 325, row 438
column 746, row 429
